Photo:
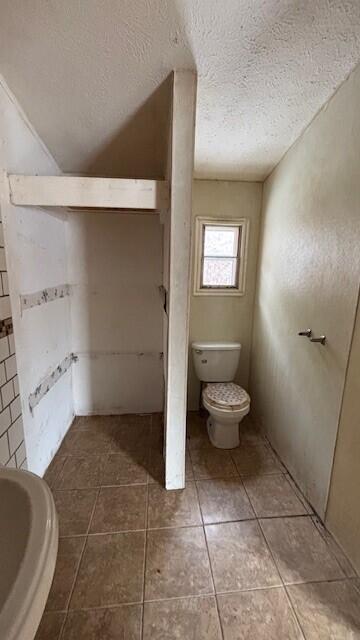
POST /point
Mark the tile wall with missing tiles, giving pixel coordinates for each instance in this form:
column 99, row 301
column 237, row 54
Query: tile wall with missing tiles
column 12, row 444
column 36, row 260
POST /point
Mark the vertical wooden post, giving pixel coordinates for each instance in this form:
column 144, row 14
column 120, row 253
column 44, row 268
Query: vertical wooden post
column 182, row 165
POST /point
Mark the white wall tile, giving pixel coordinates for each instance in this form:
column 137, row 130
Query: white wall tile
column 5, row 420
column 10, row 367
column 2, row 260
column 15, row 409
column 4, row 449
column 11, row 343
column 16, row 385
column 12, row 463
column 7, row 393
column 2, row 374
column 4, row 348
column 5, row 309
column 20, row 455
column 16, row 435
column 5, row 283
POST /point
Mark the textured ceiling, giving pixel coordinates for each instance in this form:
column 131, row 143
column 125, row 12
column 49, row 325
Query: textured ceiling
column 90, row 73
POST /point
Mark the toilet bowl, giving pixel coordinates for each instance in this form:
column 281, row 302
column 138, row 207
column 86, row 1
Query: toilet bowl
column 227, row 404
column 216, row 364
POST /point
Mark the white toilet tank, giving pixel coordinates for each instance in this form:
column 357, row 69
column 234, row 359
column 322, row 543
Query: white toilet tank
column 216, row 361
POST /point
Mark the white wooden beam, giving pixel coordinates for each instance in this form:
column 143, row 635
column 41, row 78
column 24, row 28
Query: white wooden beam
column 72, row 191
column 182, row 164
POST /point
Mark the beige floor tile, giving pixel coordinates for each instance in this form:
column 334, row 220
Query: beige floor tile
column 340, row 556
column 111, row 571
column 356, row 583
column 94, row 423
column 299, row 550
column 196, row 432
column 256, row 460
column 212, row 463
column 185, row 619
column 222, row 500
column 301, row 497
column 53, row 471
column 67, row 563
column 273, row 496
column 125, row 468
column 130, row 419
column 249, row 433
column 74, row 509
column 80, row 472
column 177, row 564
column 120, row 509
column 157, row 467
column 258, row 615
column 81, row 442
column 157, row 436
column 239, row 556
column 327, row 610
column 130, row 437
column 120, row 623
column 50, row 626
column 157, row 418
column 173, row 508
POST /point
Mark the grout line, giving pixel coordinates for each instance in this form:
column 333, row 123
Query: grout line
column 187, row 526
column 332, row 546
column 292, row 608
column 210, row 566
column 73, row 585
column 113, row 605
column 79, row 563
column 117, row 605
column 62, row 629
column 145, row 545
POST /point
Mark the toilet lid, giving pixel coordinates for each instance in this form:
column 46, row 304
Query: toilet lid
column 226, row 395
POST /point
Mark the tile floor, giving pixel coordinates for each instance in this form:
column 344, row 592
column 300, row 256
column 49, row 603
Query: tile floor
column 237, row 555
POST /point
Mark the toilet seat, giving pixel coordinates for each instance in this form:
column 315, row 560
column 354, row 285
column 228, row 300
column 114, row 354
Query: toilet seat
column 226, row 396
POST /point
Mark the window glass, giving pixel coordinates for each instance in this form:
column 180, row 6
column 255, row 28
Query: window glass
column 219, row 272
column 220, row 241
column 220, row 256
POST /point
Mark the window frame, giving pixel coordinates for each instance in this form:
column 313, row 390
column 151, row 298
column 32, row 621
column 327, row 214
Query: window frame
column 200, row 223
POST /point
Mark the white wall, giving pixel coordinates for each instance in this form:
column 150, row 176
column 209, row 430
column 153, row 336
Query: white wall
column 308, row 276
column 343, row 512
column 225, row 317
column 36, row 259
column 115, row 270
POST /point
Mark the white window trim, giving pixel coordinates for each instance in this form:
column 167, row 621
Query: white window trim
column 199, row 224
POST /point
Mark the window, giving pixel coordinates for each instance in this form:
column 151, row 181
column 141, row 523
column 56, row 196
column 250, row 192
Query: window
column 220, row 256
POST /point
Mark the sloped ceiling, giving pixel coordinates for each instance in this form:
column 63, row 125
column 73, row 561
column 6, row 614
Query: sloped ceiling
column 90, row 76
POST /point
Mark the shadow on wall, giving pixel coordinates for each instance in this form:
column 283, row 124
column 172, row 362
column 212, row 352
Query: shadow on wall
column 140, row 148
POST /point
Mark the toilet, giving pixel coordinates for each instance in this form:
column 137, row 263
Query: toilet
column 215, row 365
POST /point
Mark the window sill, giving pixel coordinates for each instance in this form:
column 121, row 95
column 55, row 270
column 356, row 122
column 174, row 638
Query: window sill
column 218, row 292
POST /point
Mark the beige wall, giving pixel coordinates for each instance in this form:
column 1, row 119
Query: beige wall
column 343, row 512
column 225, row 317
column 308, row 277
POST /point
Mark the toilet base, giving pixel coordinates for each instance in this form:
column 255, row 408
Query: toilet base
column 223, row 436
